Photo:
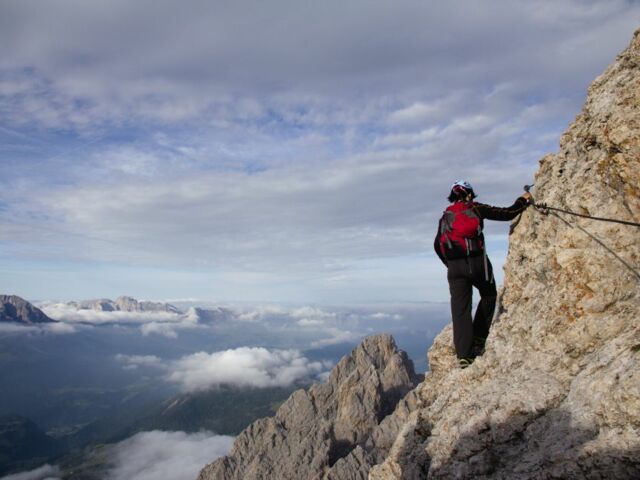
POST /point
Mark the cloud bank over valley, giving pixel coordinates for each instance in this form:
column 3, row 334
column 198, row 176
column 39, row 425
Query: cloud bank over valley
column 306, row 326
column 254, row 367
column 243, row 367
column 167, row 455
column 153, row 455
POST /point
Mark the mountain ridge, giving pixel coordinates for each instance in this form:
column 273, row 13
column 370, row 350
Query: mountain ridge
column 123, row 304
column 317, row 430
column 15, row 309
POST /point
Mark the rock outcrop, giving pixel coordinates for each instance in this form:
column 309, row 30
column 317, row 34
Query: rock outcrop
column 557, row 393
column 333, row 430
column 17, row 310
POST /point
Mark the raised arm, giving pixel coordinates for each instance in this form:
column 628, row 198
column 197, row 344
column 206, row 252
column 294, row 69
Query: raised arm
column 490, row 212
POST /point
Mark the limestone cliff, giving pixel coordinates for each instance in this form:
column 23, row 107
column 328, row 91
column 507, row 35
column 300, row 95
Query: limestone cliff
column 557, row 393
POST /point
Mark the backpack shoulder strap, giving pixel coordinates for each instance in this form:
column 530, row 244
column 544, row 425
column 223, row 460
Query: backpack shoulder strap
column 446, row 221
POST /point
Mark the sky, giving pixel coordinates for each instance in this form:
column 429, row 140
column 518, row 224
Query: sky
column 279, row 151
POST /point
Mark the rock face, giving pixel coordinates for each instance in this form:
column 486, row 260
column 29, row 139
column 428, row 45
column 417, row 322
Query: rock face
column 17, row 310
column 124, row 304
column 334, row 430
column 557, row 393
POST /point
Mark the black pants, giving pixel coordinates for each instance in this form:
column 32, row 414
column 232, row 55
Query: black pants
column 462, row 275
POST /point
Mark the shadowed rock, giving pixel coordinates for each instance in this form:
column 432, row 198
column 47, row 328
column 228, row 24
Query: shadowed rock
column 17, row 310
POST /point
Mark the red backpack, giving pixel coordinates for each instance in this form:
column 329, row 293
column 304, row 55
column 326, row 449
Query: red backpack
column 460, row 231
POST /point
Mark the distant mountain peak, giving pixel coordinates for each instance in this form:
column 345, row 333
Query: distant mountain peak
column 15, row 309
column 124, row 304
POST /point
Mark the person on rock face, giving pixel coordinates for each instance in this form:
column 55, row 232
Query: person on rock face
column 460, row 245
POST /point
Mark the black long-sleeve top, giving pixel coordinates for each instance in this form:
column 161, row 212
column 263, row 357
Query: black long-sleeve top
column 501, row 213
column 488, row 212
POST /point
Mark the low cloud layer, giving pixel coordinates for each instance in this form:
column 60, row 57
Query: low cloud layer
column 167, row 324
column 58, row 328
column 46, row 472
column 243, row 367
column 132, row 362
column 159, row 455
column 70, row 314
column 281, row 326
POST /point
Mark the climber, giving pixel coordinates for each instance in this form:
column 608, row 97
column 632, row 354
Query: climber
column 460, row 245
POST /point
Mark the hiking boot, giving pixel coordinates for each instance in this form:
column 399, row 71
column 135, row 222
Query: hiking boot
column 465, row 362
column 478, row 346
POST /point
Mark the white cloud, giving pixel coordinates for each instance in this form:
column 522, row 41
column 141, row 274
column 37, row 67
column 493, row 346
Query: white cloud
column 386, row 316
column 160, row 455
column 310, row 322
column 243, row 367
column 312, row 316
column 167, row 324
column 408, row 139
column 312, row 312
column 337, row 336
column 302, row 327
column 261, row 312
column 70, row 314
column 168, row 330
column 46, row 472
column 14, row 328
column 441, row 47
column 58, row 328
column 414, row 114
column 139, row 360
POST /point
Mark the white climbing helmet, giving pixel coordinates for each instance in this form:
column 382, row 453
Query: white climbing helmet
column 462, row 183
